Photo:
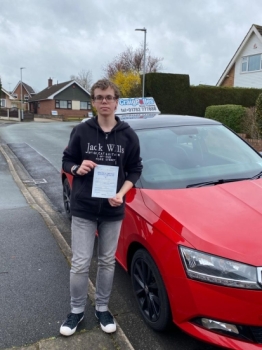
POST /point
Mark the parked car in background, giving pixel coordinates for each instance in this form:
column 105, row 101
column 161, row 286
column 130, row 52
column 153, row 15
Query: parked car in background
column 191, row 237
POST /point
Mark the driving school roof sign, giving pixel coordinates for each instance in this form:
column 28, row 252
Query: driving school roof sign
column 137, row 105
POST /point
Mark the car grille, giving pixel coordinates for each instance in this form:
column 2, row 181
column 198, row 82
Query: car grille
column 257, row 334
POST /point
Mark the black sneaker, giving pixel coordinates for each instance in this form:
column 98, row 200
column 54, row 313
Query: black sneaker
column 106, row 320
column 69, row 326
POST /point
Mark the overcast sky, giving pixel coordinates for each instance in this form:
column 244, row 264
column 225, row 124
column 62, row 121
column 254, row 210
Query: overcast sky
column 59, row 38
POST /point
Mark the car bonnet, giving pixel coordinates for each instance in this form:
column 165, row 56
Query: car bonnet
column 224, row 220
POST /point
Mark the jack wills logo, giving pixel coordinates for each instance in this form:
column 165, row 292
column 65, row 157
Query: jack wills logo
column 110, row 147
column 92, row 148
column 115, row 148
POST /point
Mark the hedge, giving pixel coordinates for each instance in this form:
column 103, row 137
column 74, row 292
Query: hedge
column 174, row 95
column 230, row 115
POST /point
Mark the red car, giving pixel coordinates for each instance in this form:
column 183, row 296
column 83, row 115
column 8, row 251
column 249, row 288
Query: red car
column 192, row 235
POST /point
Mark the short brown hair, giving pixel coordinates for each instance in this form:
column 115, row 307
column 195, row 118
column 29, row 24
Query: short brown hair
column 103, row 84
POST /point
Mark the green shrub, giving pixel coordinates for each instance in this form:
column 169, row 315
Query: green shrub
column 259, row 113
column 250, row 125
column 230, row 115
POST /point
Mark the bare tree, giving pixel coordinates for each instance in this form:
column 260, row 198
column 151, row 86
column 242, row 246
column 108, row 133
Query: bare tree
column 132, row 60
column 84, row 78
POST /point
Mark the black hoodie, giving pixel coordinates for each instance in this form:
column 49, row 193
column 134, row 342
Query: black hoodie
column 119, row 147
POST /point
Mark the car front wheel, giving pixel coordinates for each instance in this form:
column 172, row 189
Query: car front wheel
column 149, row 290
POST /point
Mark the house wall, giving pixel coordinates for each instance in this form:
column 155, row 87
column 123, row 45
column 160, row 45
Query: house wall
column 18, row 99
column 70, row 112
column 74, row 93
column 47, row 106
column 249, row 79
column 8, row 102
column 229, row 80
column 18, row 92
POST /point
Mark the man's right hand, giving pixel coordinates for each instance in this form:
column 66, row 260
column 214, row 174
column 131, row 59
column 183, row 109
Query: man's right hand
column 86, row 167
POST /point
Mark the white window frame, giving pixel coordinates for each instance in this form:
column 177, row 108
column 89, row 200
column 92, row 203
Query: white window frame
column 86, row 105
column 245, row 61
column 3, row 102
column 68, row 104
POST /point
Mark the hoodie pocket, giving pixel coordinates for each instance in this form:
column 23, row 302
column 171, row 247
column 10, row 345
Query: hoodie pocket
column 82, row 195
column 81, row 185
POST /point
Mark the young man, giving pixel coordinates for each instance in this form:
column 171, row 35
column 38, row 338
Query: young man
column 101, row 141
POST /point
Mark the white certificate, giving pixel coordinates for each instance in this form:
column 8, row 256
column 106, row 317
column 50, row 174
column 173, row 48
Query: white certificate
column 105, row 181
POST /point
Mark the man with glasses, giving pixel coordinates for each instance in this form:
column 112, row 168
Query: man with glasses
column 103, row 155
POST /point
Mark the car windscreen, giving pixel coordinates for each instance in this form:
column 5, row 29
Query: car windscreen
column 175, row 157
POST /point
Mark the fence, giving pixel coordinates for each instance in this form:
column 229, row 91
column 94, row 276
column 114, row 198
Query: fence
column 14, row 114
column 255, row 143
column 9, row 113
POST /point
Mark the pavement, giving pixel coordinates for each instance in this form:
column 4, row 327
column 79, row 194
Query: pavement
column 34, row 271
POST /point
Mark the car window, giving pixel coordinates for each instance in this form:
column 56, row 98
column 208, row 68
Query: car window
column 176, row 157
column 222, row 143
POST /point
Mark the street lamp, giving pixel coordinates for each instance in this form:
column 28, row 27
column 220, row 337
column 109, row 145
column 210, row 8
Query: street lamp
column 144, row 69
column 21, row 112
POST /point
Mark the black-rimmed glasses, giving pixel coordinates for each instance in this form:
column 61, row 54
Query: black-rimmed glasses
column 108, row 98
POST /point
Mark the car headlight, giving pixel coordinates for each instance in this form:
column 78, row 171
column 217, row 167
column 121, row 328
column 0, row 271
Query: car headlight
column 213, row 269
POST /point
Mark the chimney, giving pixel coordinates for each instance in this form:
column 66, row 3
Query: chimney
column 50, row 82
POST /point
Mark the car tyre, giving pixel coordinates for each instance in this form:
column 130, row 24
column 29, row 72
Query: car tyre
column 150, row 292
column 66, row 198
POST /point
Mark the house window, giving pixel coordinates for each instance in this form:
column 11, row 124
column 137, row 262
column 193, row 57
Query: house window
column 251, row 63
column 25, row 97
column 244, row 64
column 63, row 104
column 15, row 95
column 84, row 105
column 2, row 102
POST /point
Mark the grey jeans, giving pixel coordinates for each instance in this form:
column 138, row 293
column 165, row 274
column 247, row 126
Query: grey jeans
column 83, row 238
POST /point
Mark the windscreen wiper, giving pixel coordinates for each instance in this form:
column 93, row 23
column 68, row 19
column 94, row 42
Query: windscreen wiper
column 257, row 176
column 219, row 182
column 223, row 181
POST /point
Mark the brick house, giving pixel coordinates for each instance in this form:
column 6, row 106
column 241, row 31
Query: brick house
column 26, row 93
column 245, row 67
column 63, row 99
column 6, row 99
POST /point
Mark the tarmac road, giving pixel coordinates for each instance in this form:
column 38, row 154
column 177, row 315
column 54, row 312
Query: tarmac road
column 37, row 149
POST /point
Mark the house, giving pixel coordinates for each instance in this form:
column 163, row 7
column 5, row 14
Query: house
column 23, row 92
column 65, row 99
column 245, row 68
column 6, row 99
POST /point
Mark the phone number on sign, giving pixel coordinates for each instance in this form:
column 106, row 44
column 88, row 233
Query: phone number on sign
column 140, row 109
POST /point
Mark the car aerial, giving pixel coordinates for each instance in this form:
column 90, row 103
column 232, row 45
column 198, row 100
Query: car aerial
column 191, row 236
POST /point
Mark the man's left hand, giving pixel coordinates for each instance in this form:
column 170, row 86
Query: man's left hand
column 116, row 201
